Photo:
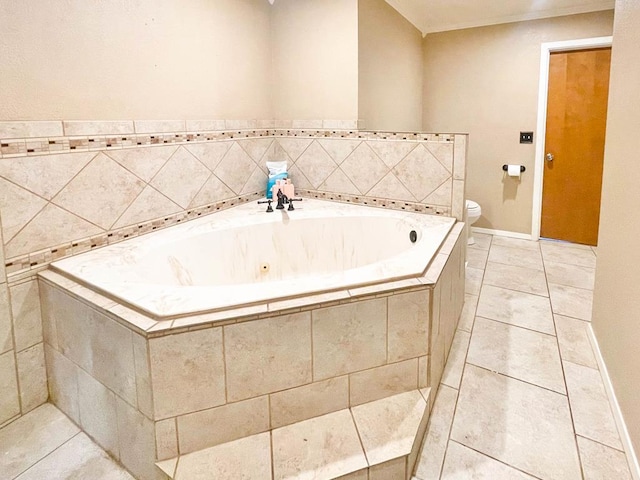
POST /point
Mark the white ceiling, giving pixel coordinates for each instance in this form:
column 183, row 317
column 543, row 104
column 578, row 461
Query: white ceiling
column 441, row 15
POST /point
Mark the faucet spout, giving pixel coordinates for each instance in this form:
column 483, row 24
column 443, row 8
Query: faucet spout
column 282, row 199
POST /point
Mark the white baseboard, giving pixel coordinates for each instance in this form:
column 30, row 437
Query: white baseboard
column 501, row 233
column 634, row 467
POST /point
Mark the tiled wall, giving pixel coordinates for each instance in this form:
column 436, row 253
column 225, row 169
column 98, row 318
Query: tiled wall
column 67, row 187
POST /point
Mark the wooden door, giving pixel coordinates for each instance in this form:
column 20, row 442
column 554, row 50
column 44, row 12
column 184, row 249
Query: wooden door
column 574, row 145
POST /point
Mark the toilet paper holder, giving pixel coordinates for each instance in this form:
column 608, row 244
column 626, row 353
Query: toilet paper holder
column 506, row 167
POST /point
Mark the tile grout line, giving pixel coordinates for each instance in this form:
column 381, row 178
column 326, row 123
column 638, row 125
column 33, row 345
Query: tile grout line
column 50, row 453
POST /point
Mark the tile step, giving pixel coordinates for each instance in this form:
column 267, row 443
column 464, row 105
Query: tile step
column 379, row 440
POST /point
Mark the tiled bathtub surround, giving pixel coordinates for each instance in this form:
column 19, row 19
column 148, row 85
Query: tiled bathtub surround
column 180, row 387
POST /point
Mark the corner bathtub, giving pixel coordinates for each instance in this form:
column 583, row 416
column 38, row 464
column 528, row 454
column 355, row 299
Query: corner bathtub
column 245, row 256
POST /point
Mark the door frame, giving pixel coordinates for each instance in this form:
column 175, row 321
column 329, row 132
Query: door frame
column 545, row 52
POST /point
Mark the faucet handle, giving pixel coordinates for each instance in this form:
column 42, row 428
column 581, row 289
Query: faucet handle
column 291, row 200
column 269, row 207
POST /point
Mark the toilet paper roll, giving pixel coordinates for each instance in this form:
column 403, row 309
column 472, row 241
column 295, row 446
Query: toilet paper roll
column 513, row 171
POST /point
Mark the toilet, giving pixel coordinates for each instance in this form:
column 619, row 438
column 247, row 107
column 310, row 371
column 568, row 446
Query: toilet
column 473, row 214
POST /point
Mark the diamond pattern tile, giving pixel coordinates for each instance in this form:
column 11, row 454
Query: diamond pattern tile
column 256, row 147
column 421, row 172
column 441, row 195
column 443, row 153
column 144, row 162
column 339, row 149
column 392, row 152
column 338, row 182
column 298, row 179
column 294, row 147
column 212, row 191
column 235, row 168
column 364, row 168
column 210, row 154
column 45, row 175
column 316, row 164
column 150, row 204
column 181, row 178
column 257, row 182
column 95, row 200
column 17, row 207
column 391, row 187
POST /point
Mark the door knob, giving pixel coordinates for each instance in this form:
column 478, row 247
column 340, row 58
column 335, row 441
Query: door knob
column 549, row 157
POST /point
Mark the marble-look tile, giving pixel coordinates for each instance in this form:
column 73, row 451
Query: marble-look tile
column 473, row 280
column 338, row 182
column 26, row 129
column 204, row 125
column 338, row 149
column 149, row 205
column 27, row 318
column 468, row 312
column 99, row 202
column 600, row 462
column 136, row 441
column 229, row 422
column 259, row 359
column 255, row 183
column 187, row 372
column 17, row 207
column 294, row 147
column 364, row 168
column 462, row 463
column 443, row 151
column 435, row 443
column 408, row 325
column 516, row 308
column 166, row 439
column 460, row 157
column 210, row 153
column 590, row 407
column 517, row 352
column 32, row 437
column 553, row 252
column 322, row 447
column 570, row 275
column 348, row 338
column 441, row 195
column 77, row 458
column 477, row 258
column 388, row 427
column 384, row 381
column 247, row 458
column 98, row 416
column 62, row 376
column 391, row 152
column 9, row 401
column 522, row 425
column 318, row 398
column 452, row 374
column 316, row 164
column 482, row 240
column 6, row 334
column 516, row 256
column 143, row 375
column 421, row 172
column 182, row 177
column 392, row 188
column 393, row 469
column 159, row 126
column 144, row 162
column 516, row 278
column 457, row 200
column 573, row 341
column 256, row 147
column 571, row 301
column 515, row 243
column 32, row 376
column 97, row 127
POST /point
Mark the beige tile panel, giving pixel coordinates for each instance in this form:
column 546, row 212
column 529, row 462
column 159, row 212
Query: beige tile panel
column 187, row 372
column 423, row 372
column 328, row 446
column 473, row 280
column 421, row 172
column 571, row 301
column 477, row 258
column 9, row 401
column 6, row 335
column 144, row 391
column 17, row 207
column 32, row 377
column 338, row 182
column 210, row 153
column 98, row 417
column 408, row 325
column 339, row 149
column 441, row 195
column 392, row 188
column 267, row 355
column 256, row 147
column 166, row 439
column 388, row 427
column 181, row 178
column 443, row 151
column 204, row 125
column 98, row 127
column 159, row 126
column 308, row 401
column 600, row 462
column 482, row 241
column 570, row 275
column 391, row 152
column 364, row 168
column 32, row 437
column 214, row 191
column 458, row 205
column 144, row 162
column 150, row 204
column 574, row 342
column 348, row 338
column 316, row 164
column 559, row 253
column 516, row 278
column 30, row 129
column 229, row 422
column 27, row 318
column 515, row 243
column 460, row 157
column 516, row 256
column 62, row 378
column 381, row 382
column 293, row 147
column 359, row 475
column 462, row 463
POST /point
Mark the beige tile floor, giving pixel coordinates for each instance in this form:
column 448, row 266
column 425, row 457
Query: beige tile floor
column 521, row 396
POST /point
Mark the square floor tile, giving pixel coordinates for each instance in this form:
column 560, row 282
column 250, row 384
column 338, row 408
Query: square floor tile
column 592, row 414
column 323, row 447
column 519, row 424
column 521, row 257
column 468, row 312
column 552, row 252
column 482, row 241
column 516, row 308
column 571, row 301
column 571, row 275
column 462, row 463
column 529, row 356
column 574, row 341
column 473, row 280
column 600, row 462
column 515, row 243
column 522, row 279
column 477, row 258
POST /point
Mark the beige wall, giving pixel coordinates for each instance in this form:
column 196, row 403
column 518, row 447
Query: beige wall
column 484, row 81
column 315, row 59
column 390, row 69
column 616, row 307
column 174, row 59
